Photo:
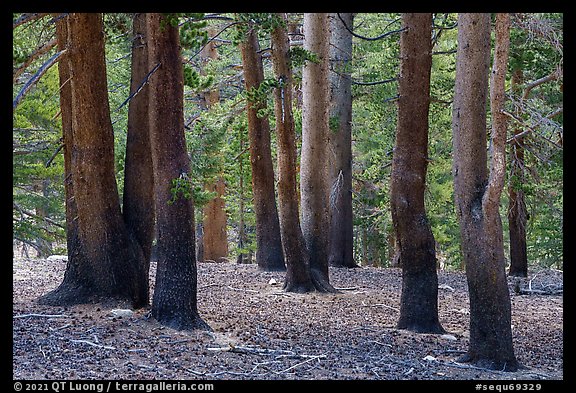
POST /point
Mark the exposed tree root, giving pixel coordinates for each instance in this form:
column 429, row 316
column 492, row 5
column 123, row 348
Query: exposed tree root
column 489, row 364
column 321, row 282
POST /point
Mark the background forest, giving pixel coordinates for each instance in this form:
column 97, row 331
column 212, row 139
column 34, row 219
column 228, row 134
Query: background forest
column 217, row 133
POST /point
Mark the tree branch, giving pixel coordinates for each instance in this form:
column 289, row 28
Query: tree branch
column 30, row 214
column 25, row 18
column 49, row 162
column 529, row 129
column 553, row 76
column 369, row 38
column 140, row 87
column 36, row 54
column 444, row 52
column 212, row 39
column 374, row 83
column 32, row 81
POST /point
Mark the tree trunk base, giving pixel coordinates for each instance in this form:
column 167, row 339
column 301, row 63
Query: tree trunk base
column 299, row 287
column 321, row 282
column 181, row 321
column 71, row 294
column 419, row 327
column 68, row 295
column 490, row 363
column 518, row 273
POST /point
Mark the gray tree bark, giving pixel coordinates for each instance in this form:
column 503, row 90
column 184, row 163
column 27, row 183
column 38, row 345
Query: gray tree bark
column 313, row 172
column 174, row 303
column 341, row 236
column 477, row 192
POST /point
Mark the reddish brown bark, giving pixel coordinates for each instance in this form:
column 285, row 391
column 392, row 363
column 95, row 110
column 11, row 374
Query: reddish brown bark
column 414, row 239
column 215, row 239
column 214, row 218
column 298, row 278
column 104, row 259
column 269, row 254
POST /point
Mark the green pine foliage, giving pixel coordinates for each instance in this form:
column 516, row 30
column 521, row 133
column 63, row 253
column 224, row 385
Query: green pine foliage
column 217, row 137
column 37, row 181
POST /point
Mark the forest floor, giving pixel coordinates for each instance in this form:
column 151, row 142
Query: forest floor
column 261, row 332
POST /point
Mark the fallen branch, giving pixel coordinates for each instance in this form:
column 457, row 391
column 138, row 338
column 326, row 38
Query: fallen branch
column 229, row 287
column 379, row 343
column 500, row 372
column 380, row 304
column 530, row 282
column 178, row 342
column 241, row 289
column 278, row 353
column 244, row 350
column 199, row 373
column 524, row 291
column 92, row 344
column 209, row 285
column 470, row 366
column 40, row 316
column 60, row 328
column 218, row 373
column 301, row 363
column 280, row 293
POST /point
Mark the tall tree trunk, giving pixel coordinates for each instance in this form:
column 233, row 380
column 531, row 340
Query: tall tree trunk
column 341, row 237
column 64, row 73
column 175, row 296
column 417, row 255
column 313, row 171
column 298, row 278
column 269, row 254
column 105, row 261
column 241, row 229
column 138, row 199
column 477, row 196
column 214, row 237
column 517, row 214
